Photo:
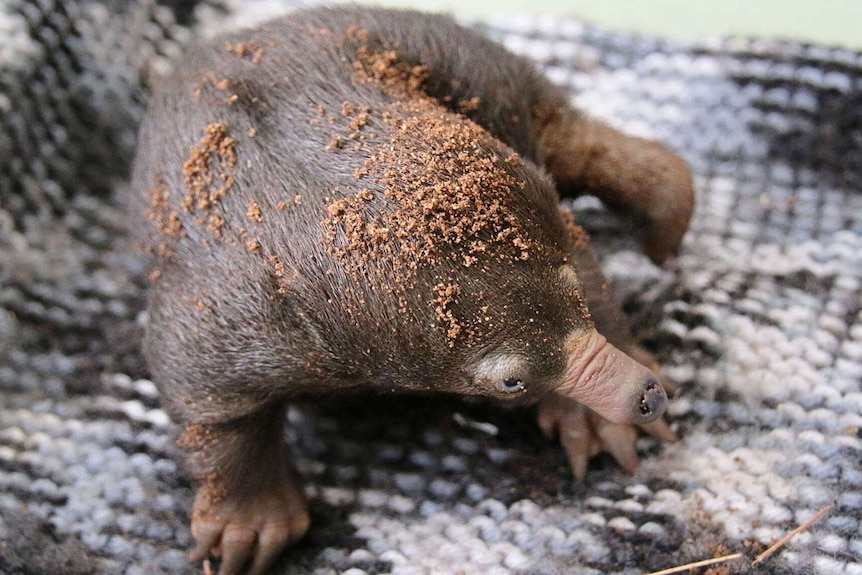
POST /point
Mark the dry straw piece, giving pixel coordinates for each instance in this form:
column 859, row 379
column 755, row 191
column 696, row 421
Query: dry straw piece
column 703, row 563
column 757, row 560
column 783, row 541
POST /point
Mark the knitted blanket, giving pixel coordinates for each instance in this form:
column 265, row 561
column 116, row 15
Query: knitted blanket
column 759, row 320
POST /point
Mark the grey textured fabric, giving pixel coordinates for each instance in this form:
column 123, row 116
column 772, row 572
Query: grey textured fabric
column 759, row 320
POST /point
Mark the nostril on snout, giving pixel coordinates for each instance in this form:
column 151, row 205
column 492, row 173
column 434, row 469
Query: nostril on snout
column 653, row 399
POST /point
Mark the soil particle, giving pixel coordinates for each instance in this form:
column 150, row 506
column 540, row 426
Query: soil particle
column 251, row 242
column 359, row 115
column 206, row 188
column 447, row 195
column 398, row 79
column 248, row 50
column 280, row 271
column 446, row 294
column 443, row 176
column 469, row 105
column 438, row 187
column 360, row 121
column 195, row 438
column 579, row 236
column 347, row 109
column 280, row 268
column 210, row 82
column 213, row 222
column 213, row 489
column 167, row 220
column 254, row 213
column 335, row 143
column 208, row 175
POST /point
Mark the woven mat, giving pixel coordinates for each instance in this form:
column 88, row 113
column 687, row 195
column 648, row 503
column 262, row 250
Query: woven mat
column 759, row 320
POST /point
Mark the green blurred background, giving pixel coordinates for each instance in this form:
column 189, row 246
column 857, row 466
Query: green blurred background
column 828, row 22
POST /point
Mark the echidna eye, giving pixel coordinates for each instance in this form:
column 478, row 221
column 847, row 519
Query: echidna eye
column 511, row 385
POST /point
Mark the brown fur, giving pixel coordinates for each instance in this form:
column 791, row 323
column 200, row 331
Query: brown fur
column 355, row 198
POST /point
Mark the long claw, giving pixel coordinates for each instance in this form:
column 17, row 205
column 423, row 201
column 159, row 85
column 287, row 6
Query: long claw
column 548, row 423
column 270, row 543
column 649, row 361
column 577, row 444
column 237, row 548
column 206, row 534
column 583, row 433
column 669, row 385
column 249, row 533
column 661, row 430
column 578, row 439
column 620, row 442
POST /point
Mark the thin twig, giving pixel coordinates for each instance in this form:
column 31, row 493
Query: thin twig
column 783, row 541
column 703, row 563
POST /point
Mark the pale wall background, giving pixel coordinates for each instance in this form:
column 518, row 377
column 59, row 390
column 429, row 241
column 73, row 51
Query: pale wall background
column 830, row 22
